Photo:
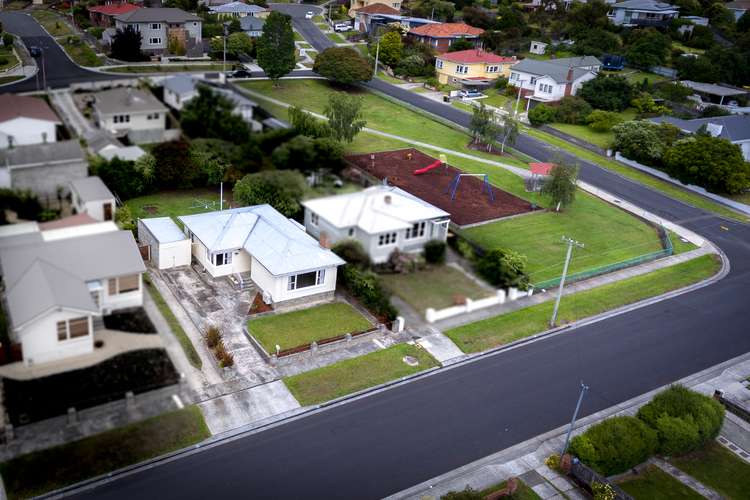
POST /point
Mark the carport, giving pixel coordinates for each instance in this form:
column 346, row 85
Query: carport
column 167, row 245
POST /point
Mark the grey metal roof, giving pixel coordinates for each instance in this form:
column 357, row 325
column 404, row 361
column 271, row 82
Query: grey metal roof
column 733, row 128
column 713, row 88
column 127, row 100
column 577, row 61
column 557, row 72
column 91, row 189
column 237, row 7
column 33, row 155
column 163, row 229
column 180, row 84
column 160, row 14
column 251, row 23
column 279, row 244
column 649, row 5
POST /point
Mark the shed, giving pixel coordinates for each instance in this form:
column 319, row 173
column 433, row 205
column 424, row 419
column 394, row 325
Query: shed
column 168, row 246
column 91, row 196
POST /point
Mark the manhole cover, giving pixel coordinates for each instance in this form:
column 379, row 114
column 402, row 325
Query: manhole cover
column 411, row 360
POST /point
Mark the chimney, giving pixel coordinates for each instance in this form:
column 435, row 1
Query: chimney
column 323, row 240
column 569, row 82
column 387, row 199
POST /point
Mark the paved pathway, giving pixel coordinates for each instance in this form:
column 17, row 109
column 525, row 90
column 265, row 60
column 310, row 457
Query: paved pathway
column 686, row 479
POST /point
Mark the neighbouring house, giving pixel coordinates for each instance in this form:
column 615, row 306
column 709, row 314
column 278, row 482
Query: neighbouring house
column 234, row 10
column 259, row 245
column 714, row 93
column 550, row 81
column 166, row 244
column 643, row 13
column 734, row 128
column 165, row 30
column 696, row 20
column 60, row 281
column 104, row 15
column 381, row 218
column 45, row 169
column 180, row 89
column 378, row 23
column 472, row 67
column 538, row 48
column 252, row 26
column 26, row 120
column 358, row 4
column 440, row 36
column 91, row 196
column 127, row 153
column 738, row 8
column 364, row 15
column 131, row 112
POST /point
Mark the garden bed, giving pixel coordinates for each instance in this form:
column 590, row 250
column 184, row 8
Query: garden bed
column 132, row 321
column 139, row 371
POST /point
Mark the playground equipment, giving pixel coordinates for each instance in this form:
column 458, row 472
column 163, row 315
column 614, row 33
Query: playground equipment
column 442, row 161
column 453, row 186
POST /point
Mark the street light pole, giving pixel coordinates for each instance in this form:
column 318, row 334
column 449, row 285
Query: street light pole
column 377, row 54
column 584, row 388
column 44, row 72
column 224, row 63
column 570, row 242
column 518, row 97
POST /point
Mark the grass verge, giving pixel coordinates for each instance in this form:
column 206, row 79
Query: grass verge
column 46, row 470
column 516, row 325
column 185, row 342
column 654, row 484
column 51, row 22
column 522, row 493
column 80, row 52
column 296, row 328
column 356, row 374
column 717, row 468
column 171, row 68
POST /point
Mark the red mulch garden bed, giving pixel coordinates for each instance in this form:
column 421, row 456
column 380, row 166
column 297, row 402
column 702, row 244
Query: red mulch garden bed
column 472, row 204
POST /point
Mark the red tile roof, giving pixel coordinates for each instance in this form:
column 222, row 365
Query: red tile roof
column 15, row 106
column 114, row 9
column 70, row 221
column 475, row 56
column 541, row 168
column 447, row 30
column 377, row 8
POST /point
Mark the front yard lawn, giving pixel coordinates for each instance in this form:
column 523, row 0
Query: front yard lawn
column 301, row 327
column 718, row 468
column 602, row 139
column 652, row 483
column 335, row 37
column 609, row 234
column 356, row 374
column 174, row 203
column 435, row 287
column 42, row 471
column 516, row 325
column 52, row 22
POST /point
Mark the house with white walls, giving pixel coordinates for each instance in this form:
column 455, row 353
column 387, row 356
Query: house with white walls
column 381, row 218
column 258, row 244
column 643, row 13
column 131, row 112
column 550, row 81
column 164, row 29
column 26, row 120
column 165, row 243
column 58, row 280
column 734, row 128
column 91, row 196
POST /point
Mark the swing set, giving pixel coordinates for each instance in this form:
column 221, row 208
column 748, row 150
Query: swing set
column 453, row 186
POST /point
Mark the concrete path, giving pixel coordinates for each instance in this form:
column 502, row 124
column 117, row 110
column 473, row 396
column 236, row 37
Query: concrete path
column 245, row 407
column 545, row 296
column 62, row 100
column 441, row 348
column 686, row 479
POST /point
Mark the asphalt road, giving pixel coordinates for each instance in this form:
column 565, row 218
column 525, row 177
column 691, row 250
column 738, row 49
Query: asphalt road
column 386, row 442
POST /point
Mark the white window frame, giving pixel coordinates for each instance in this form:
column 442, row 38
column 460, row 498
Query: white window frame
column 155, row 26
column 314, row 219
column 462, row 69
column 492, row 69
column 320, row 278
column 154, row 40
column 415, row 231
column 387, row 239
column 439, row 63
column 513, row 76
column 226, row 258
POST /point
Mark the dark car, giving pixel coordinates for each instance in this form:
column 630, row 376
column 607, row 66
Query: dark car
column 35, row 51
column 241, row 73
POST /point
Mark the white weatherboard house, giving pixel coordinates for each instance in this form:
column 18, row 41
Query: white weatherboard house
column 282, row 260
column 167, row 245
column 58, row 281
column 550, row 81
column 132, row 112
column 90, row 196
column 26, row 120
column 381, row 218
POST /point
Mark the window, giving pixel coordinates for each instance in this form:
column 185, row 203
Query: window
column 462, row 70
column 223, row 258
column 121, row 118
column 386, row 239
column 305, row 280
column 314, row 218
column 154, row 40
column 351, row 232
column 123, row 284
column 72, row 329
column 62, row 330
column 416, row 231
column 513, row 77
column 533, row 80
column 152, row 116
column 155, row 26
column 439, row 63
column 547, row 89
column 112, row 286
column 491, row 69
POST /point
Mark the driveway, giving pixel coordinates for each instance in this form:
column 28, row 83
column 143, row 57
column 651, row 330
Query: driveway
column 305, row 27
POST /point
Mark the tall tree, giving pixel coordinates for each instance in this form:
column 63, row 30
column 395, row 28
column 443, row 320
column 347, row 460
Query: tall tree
column 276, row 46
column 391, row 48
column 483, row 127
column 282, row 189
column 560, row 186
column 343, row 65
column 126, row 45
column 344, row 113
column 509, row 129
column 211, row 115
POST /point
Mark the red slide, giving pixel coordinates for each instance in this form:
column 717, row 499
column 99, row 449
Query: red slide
column 429, row 167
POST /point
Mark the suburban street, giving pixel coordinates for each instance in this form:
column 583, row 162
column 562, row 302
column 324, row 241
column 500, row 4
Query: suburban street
column 385, row 442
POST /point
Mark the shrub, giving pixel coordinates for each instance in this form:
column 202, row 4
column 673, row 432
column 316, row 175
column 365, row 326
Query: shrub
column 353, row 253
column 541, row 114
column 603, row 121
column 501, row 83
column 96, row 32
column 3, row 60
column 639, row 141
column 343, row 65
column 366, row 287
column 467, row 493
column 213, row 336
column 7, row 40
column 282, row 189
column 434, row 252
column 24, row 203
column 504, row 268
column 611, row 93
column 615, row 445
column 685, row 420
column 573, row 110
column 603, row 491
column 711, row 162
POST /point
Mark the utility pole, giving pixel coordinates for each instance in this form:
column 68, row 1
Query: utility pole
column 570, row 243
column 584, row 388
column 224, row 64
column 518, row 97
column 44, row 72
column 377, row 54
column 221, row 196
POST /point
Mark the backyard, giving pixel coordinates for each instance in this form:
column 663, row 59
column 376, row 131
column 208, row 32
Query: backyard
column 654, row 484
column 436, row 287
column 39, row 472
column 356, row 374
column 302, row 327
column 174, row 203
column 717, row 468
column 516, row 325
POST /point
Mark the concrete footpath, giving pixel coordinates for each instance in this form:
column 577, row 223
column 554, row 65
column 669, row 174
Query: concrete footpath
column 529, row 456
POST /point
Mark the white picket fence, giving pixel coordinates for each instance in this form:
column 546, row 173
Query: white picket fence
column 500, row 297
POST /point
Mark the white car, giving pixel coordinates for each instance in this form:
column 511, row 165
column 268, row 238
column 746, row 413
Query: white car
column 340, row 27
column 309, row 14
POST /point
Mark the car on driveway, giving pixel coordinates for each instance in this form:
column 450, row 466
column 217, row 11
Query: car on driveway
column 241, row 73
column 309, row 15
column 470, row 94
column 342, row 27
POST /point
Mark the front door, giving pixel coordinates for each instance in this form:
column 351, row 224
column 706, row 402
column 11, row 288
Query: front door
column 107, row 211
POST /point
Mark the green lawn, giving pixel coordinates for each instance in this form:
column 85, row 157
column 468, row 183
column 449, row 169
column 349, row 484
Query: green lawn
column 174, row 325
column 335, row 37
column 635, row 76
column 602, row 139
column 609, row 234
column 301, row 327
column 654, row 484
column 522, row 493
column 171, row 68
column 174, row 203
column 52, row 22
column 718, row 468
column 678, row 245
column 638, row 176
column 43, row 471
column 9, row 79
column 298, row 37
column 516, row 325
column 436, row 287
column 80, row 52
column 11, row 59
column 356, row 374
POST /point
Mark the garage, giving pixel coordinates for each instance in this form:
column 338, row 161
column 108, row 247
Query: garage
column 166, row 245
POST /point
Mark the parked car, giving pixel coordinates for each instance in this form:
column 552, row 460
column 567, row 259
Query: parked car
column 342, row 27
column 241, row 73
column 469, row 94
column 35, row 51
column 309, row 14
